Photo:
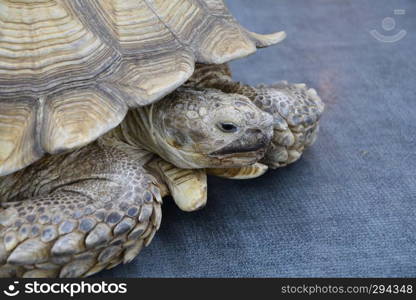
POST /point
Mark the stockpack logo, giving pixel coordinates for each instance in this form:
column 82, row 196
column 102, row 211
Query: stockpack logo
column 12, row 290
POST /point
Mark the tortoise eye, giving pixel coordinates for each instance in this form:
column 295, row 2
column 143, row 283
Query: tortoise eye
column 227, row 127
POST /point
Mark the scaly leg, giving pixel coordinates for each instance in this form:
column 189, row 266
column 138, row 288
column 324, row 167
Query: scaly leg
column 76, row 214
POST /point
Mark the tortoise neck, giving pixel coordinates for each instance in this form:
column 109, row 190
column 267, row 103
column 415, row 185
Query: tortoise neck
column 136, row 130
column 139, row 129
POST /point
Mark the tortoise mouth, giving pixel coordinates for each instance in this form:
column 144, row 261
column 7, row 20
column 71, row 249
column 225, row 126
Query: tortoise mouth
column 243, row 151
column 238, row 158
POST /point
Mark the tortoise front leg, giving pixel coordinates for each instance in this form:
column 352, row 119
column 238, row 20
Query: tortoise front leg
column 296, row 111
column 101, row 208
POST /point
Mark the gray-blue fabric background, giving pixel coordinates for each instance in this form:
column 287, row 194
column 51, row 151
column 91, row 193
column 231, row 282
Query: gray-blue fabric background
column 348, row 208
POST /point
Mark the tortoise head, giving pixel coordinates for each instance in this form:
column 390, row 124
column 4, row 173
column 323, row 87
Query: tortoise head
column 208, row 128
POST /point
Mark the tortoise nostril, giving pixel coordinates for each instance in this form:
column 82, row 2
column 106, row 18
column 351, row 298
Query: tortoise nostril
column 227, row 127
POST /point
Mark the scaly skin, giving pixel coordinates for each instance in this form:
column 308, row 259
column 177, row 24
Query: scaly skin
column 78, row 213
column 296, row 110
column 75, row 214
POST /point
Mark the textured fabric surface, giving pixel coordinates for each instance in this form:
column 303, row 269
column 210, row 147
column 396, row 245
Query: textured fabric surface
column 348, row 208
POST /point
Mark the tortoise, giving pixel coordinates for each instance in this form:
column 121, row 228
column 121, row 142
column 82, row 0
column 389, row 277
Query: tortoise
column 100, row 118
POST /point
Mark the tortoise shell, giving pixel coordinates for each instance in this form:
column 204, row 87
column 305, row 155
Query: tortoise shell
column 70, row 69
